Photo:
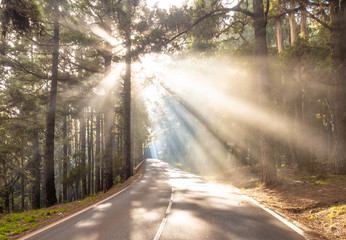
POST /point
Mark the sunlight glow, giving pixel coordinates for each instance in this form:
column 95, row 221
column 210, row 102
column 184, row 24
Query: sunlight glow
column 214, row 106
column 103, row 34
column 166, row 4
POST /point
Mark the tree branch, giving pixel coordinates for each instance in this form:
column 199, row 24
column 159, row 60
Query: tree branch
column 324, row 24
column 216, row 12
column 285, row 12
column 266, row 12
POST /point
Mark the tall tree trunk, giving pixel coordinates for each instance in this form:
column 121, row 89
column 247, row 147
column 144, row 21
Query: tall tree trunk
column 49, row 153
column 89, row 155
column 128, row 170
column 304, row 25
column 103, row 151
column 108, row 113
column 338, row 49
column 92, row 156
column 12, row 200
column 22, row 179
column 36, row 158
column 293, row 26
column 65, row 159
column 127, row 119
column 266, row 143
column 279, row 41
column 69, row 153
column 77, row 157
column 83, row 143
column 98, row 154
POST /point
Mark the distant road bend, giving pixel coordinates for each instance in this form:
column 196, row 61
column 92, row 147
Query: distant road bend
column 167, row 203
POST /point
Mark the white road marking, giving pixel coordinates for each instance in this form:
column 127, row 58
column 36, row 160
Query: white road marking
column 159, row 232
column 277, row 216
column 169, row 208
column 164, row 220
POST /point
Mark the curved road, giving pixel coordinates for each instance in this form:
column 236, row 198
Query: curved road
column 167, row 203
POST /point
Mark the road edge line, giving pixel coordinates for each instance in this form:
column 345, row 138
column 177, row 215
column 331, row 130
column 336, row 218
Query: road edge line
column 29, row 235
column 277, row 216
column 295, row 228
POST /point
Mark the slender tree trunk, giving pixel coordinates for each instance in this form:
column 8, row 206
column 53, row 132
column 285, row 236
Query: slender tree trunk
column 83, row 143
column 338, row 49
column 12, row 200
column 279, row 41
column 304, row 25
column 65, row 159
column 6, row 196
column 293, row 27
column 69, row 153
column 98, row 154
column 77, row 156
column 49, row 153
column 89, row 156
column 92, row 156
column 128, row 170
column 22, row 179
column 36, row 193
column 103, row 151
column 108, row 113
column 266, row 143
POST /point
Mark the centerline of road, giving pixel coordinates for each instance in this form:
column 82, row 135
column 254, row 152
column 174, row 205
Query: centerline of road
column 164, row 220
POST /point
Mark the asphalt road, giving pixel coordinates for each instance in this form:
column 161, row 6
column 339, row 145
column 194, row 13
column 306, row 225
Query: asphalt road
column 167, row 203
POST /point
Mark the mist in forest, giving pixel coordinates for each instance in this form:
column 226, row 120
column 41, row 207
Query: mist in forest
column 206, row 114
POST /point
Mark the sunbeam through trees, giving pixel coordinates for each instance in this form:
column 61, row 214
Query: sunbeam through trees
column 89, row 89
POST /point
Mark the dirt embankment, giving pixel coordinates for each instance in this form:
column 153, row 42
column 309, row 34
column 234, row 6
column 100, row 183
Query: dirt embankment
column 317, row 204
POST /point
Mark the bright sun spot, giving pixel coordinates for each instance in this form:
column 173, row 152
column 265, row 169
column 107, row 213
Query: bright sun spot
column 166, row 4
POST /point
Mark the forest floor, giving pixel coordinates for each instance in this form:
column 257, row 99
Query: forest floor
column 16, row 225
column 315, row 203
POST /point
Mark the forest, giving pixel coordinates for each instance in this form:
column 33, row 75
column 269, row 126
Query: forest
column 230, row 83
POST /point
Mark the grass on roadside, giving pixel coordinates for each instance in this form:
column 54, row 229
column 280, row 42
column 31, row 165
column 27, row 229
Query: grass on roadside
column 15, row 223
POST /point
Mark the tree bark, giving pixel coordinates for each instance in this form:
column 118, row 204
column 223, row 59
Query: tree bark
column 293, row 27
column 89, row 155
column 279, row 41
column 108, row 113
column 77, row 157
column 22, row 179
column 65, row 159
column 127, row 117
column 303, row 25
column 36, row 193
column 98, row 154
column 128, row 170
column 266, row 143
column 103, row 151
column 83, row 143
column 92, row 156
column 49, row 153
column 338, row 49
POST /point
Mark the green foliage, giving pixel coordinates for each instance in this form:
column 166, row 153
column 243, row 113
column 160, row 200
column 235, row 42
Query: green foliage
column 118, row 180
column 336, row 211
column 24, row 16
column 75, row 174
column 15, row 223
column 30, row 218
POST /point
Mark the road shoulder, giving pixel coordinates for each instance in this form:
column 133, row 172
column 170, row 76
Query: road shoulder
column 74, row 208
